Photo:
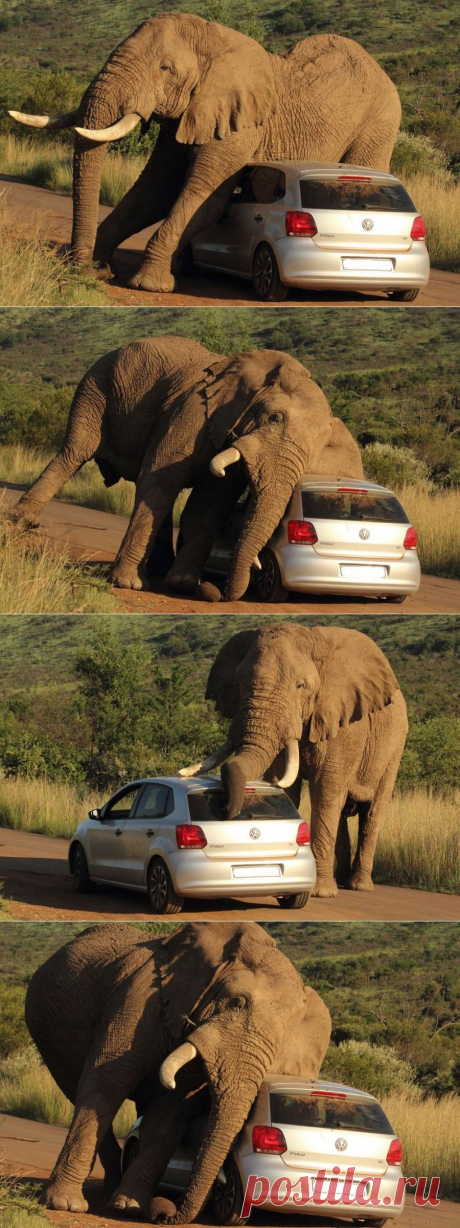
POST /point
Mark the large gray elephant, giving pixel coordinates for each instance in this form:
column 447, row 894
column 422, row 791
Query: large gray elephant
column 210, row 1009
column 221, row 101
column 163, row 412
column 321, row 705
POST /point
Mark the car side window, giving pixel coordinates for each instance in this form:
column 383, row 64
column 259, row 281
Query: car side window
column 155, row 803
column 260, row 185
column 121, row 807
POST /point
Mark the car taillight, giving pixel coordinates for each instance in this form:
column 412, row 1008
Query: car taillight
column 395, row 1152
column 300, row 223
column 410, row 540
column 331, row 1095
column 303, row 834
column 356, row 178
column 190, row 836
column 418, row 229
column 301, row 531
column 268, row 1139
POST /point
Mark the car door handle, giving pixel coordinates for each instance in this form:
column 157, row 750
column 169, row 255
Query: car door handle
column 258, row 217
column 118, row 831
column 150, row 832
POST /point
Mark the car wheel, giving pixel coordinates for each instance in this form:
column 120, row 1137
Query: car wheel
column 81, row 879
column 265, row 276
column 294, row 901
column 403, row 296
column 162, row 896
column 227, row 1200
column 370, row 1223
column 397, row 600
column 268, row 581
column 130, row 1153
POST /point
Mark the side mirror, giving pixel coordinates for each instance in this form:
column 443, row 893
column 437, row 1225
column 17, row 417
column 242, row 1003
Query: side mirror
column 94, row 814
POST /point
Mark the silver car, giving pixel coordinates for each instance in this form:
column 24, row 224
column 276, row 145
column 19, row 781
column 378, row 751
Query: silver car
column 297, row 1127
column 167, row 838
column 338, row 535
column 317, row 226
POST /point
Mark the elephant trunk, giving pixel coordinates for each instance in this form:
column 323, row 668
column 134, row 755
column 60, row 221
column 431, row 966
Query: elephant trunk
column 87, row 170
column 266, row 507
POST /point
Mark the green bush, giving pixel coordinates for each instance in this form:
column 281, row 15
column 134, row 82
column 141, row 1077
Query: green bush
column 392, row 466
column 372, row 1068
column 432, row 754
column 417, row 154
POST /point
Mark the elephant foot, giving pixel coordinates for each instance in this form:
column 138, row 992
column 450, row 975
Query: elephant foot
column 20, row 515
column 162, row 1211
column 123, row 576
column 157, row 280
column 325, row 890
column 124, row 1204
column 208, row 592
column 182, row 581
column 64, row 1198
column 360, row 881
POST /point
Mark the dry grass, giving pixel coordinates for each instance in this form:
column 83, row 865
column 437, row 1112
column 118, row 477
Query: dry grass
column 27, row 1089
column 37, row 577
column 40, row 805
column 438, row 200
column 436, row 516
column 32, row 272
column 429, row 1131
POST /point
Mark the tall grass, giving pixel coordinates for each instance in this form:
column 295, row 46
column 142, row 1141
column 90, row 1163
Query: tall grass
column 32, row 272
column 37, row 577
column 27, row 1089
column 438, row 200
column 429, row 1131
column 40, row 805
column 436, row 516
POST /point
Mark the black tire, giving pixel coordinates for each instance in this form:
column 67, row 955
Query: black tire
column 81, row 879
column 268, row 581
column 227, row 1200
column 162, row 896
column 294, row 901
column 130, row 1153
column 403, row 296
column 266, row 281
column 371, row 1223
column 397, row 600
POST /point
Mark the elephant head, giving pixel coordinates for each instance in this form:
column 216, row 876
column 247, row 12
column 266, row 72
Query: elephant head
column 272, row 417
column 286, row 684
column 236, row 1006
column 177, row 69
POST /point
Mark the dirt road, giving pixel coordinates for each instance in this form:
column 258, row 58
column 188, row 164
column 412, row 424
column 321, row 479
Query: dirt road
column 37, row 887
column 29, row 1150
column 93, row 536
column 54, row 212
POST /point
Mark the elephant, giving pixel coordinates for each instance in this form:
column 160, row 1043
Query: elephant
column 208, row 1009
column 321, row 705
column 168, row 414
column 221, row 101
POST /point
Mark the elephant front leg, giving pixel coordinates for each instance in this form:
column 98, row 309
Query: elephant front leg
column 207, row 508
column 163, row 1126
column 370, row 814
column 156, row 493
column 149, row 199
column 325, row 817
column 208, row 187
column 89, row 1128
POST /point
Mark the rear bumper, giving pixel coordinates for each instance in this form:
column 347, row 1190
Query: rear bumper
column 304, row 571
column 194, row 874
column 302, row 264
column 273, row 1168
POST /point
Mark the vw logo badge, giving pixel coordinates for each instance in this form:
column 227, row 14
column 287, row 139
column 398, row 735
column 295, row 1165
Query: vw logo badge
column 368, row 224
column 364, row 533
column 254, row 833
column 341, row 1144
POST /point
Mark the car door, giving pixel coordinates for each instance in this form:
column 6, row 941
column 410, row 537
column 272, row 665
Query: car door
column 106, row 840
column 140, row 827
column 230, row 243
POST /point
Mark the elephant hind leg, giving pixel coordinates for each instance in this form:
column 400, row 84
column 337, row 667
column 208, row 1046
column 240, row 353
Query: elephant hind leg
column 373, row 148
column 162, row 557
column 205, row 512
column 343, row 851
column 81, row 441
column 370, row 814
column 110, row 1156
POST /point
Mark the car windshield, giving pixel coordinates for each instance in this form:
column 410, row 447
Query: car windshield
column 352, row 505
column 328, row 1112
column 355, row 194
column 209, row 804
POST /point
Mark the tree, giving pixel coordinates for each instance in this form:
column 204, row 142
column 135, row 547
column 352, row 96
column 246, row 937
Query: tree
column 113, row 703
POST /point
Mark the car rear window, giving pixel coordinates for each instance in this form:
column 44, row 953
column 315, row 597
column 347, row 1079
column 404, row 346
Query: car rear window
column 355, row 194
column 328, row 1112
column 356, row 505
column 208, row 805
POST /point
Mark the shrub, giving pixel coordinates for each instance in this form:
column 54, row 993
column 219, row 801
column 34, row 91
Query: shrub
column 372, row 1068
column 417, row 155
column 393, row 466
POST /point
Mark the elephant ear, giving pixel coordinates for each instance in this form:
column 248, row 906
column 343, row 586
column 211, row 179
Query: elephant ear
column 231, row 384
column 193, row 958
column 222, row 686
column 356, row 680
column 236, row 91
column 305, row 1044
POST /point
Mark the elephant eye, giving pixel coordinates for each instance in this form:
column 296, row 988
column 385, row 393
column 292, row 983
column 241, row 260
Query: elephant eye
column 166, row 67
column 237, row 1003
column 274, row 419
column 301, row 685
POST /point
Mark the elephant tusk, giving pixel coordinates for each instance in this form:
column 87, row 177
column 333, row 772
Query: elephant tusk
column 219, row 756
column 291, row 768
column 257, row 563
column 176, row 1060
column 66, row 120
column 219, row 463
column 122, row 127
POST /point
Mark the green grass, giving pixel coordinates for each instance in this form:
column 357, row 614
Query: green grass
column 23, row 465
column 27, row 1089
column 19, row 1207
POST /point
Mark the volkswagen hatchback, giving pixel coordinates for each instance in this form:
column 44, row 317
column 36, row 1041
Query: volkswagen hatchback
column 296, row 1128
column 167, row 838
column 338, row 535
column 314, row 225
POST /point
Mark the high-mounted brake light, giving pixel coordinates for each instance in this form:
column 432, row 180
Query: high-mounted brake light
column 303, row 834
column 331, row 1095
column 356, row 178
column 410, row 540
column 395, row 1152
column 300, row 223
column 268, row 1139
column 190, row 836
column 350, row 490
column 418, row 229
column 301, row 531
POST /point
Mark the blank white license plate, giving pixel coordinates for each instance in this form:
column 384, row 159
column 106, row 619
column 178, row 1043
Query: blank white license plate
column 367, row 264
column 349, row 572
column 256, row 871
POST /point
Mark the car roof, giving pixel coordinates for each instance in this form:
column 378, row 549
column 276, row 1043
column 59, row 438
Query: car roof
column 196, row 784
column 319, row 481
column 327, row 170
column 283, row 1083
